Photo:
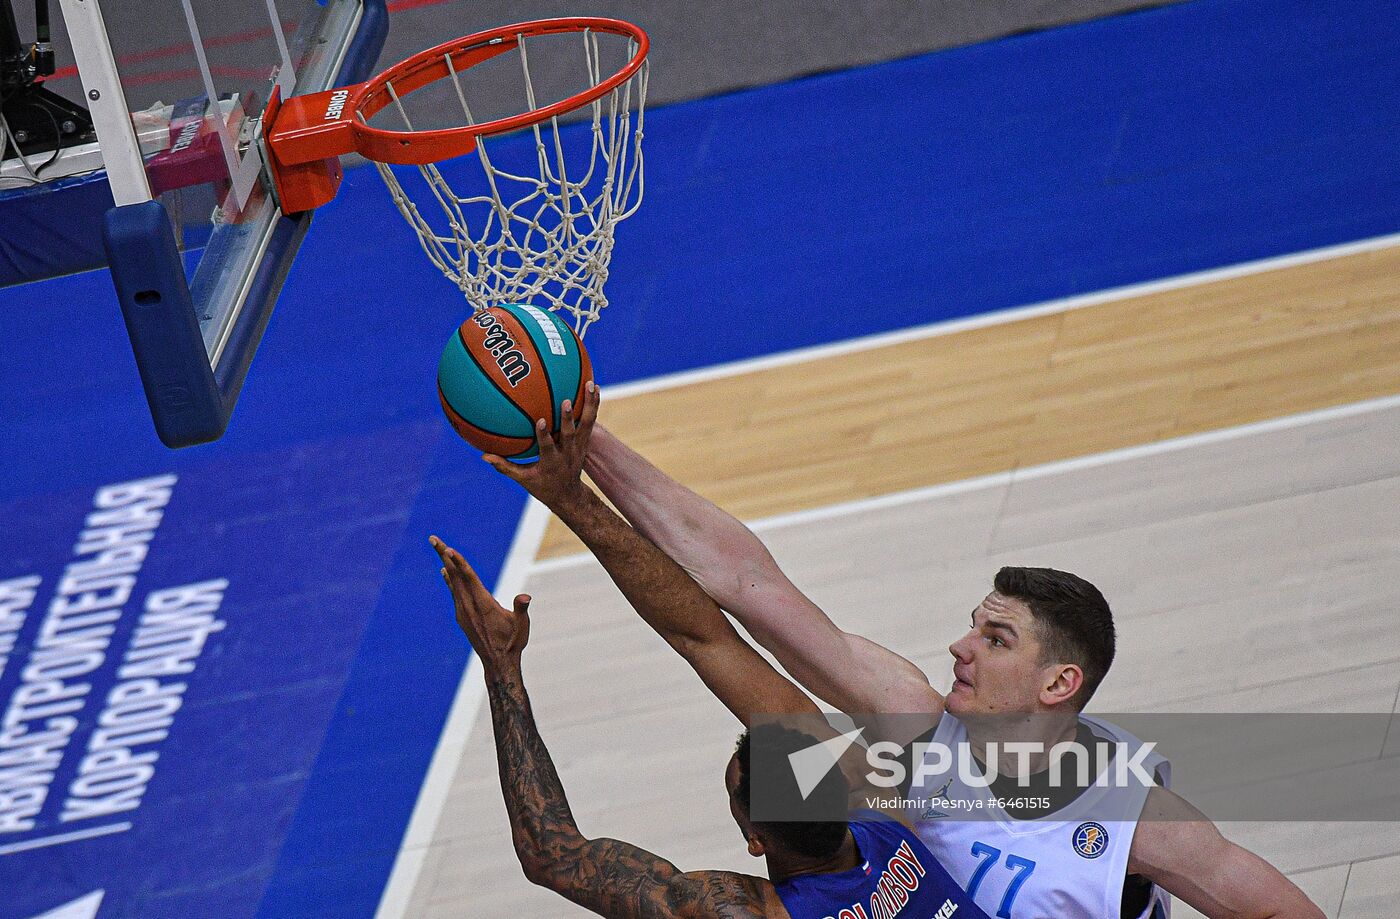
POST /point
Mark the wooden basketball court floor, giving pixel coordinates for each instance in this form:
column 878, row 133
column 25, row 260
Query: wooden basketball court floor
column 1220, row 453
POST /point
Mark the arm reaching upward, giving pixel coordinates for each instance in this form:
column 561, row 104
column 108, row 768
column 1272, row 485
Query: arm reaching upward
column 735, row 568
column 609, row 877
column 661, row 592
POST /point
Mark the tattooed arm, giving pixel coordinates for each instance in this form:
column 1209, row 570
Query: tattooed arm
column 609, row 877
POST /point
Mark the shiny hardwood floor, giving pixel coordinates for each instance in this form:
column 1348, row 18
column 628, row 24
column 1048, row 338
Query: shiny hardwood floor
column 1032, row 391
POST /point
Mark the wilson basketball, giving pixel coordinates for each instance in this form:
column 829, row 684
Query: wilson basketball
column 506, row 367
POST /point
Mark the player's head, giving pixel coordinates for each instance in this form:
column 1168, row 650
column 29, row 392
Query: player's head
column 1042, row 640
column 761, row 759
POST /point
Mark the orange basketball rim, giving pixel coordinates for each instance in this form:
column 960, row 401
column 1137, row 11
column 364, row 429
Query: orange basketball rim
column 304, row 136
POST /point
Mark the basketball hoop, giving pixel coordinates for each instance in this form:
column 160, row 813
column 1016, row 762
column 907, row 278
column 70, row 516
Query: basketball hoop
column 544, row 235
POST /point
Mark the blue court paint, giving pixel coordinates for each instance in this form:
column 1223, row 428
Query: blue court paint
column 1039, row 167
column 330, row 642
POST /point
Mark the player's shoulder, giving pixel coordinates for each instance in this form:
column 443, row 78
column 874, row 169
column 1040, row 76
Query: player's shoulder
column 723, row 895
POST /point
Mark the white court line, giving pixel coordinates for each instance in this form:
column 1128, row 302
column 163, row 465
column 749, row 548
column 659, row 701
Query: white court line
column 1044, row 470
column 999, row 317
column 63, row 838
column 471, row 692
column 520, row 562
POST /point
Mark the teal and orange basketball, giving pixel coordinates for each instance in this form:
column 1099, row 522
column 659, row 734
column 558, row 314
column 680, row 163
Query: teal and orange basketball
column 504, row 368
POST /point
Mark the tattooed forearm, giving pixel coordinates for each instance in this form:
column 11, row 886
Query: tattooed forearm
column 541, row 822
column 618, row 879
column 658, row 588
column 610, row 877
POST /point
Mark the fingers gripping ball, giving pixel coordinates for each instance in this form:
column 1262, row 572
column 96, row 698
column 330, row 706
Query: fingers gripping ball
column 506, row 367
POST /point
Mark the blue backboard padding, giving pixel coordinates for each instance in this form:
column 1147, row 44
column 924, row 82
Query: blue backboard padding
column 53, row 230
column 1115, row 152
column 149, row 275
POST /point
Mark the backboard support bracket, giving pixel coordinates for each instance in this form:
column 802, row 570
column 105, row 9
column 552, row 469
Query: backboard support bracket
column 111, row 119
column 194, row 339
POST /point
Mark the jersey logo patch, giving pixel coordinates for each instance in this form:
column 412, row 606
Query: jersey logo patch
column 1090, row 839
column 933, row 813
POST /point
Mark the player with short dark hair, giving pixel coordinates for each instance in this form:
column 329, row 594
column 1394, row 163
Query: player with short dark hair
column 1038, row 648
column 869, row 866
column 813, row 837
column 1072, row 616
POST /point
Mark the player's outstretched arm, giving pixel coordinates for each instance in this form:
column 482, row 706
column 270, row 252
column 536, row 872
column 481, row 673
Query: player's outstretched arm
column 1178, row 848
column 661, row 592
column 609, row 877
column 736, row 569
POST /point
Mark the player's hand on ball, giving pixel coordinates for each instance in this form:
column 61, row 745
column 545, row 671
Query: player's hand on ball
column 554, row 478
column 497, row 634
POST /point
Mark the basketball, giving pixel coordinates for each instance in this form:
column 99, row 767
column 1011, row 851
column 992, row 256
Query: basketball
column 506, row 367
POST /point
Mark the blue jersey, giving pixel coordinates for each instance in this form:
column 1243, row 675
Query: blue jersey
column 898, row 878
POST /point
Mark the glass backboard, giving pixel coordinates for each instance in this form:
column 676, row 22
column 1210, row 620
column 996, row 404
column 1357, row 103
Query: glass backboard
column 197, row 246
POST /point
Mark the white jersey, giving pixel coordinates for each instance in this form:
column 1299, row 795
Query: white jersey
column 1070, row 865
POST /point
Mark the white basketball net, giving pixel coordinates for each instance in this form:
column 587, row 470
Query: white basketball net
column 544, row 238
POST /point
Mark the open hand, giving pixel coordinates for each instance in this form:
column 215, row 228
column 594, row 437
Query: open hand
column 497, row 634
column 554, row 478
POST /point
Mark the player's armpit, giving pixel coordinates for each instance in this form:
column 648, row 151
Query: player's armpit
column 622, row 881
column 1181, row 850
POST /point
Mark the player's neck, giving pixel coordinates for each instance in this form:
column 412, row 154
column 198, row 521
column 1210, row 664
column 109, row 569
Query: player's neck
column 782, row 866
column 1043, row 728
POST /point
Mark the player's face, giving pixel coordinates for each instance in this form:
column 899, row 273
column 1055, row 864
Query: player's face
column 996, row 665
